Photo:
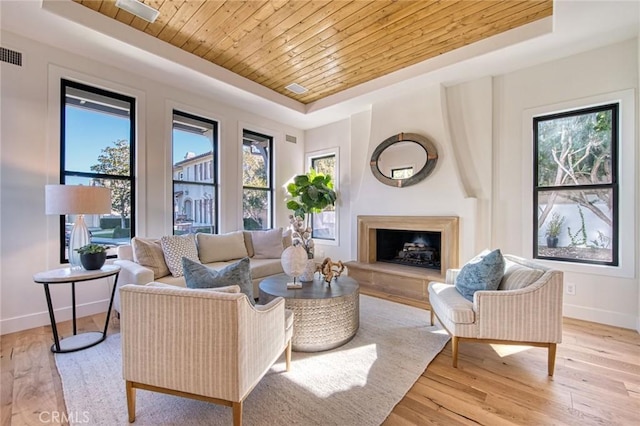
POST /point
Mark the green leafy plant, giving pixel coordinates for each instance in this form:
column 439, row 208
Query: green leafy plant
column 555, row 225
column 578, row 238
column 311, row 193
column 91, row 249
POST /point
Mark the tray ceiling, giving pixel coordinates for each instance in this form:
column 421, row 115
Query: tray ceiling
column 325, row 46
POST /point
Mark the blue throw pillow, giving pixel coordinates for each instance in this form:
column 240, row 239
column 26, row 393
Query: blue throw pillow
column 198, row 275
column 483, row 272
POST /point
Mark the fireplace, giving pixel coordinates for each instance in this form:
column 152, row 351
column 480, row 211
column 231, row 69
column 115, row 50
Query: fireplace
column 400, row 255
column 420, row 249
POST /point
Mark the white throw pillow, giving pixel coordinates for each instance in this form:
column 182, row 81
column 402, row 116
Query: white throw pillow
column 175, row 247
column 218, row 248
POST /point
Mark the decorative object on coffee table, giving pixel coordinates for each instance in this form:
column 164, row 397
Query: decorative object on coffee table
column 294, row 260
column 92, row 256
column 330, row 269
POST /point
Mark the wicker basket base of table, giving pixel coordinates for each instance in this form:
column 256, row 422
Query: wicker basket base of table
column 325, row 317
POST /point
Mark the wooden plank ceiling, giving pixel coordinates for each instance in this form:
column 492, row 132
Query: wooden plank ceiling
column 325, row 46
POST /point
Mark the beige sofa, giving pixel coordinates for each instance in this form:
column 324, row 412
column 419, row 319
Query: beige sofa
column 215, row 251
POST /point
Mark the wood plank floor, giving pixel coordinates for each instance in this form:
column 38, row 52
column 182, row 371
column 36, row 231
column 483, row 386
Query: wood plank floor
column 597, row 381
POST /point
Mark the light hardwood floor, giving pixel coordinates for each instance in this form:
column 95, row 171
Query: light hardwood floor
column 597, row 381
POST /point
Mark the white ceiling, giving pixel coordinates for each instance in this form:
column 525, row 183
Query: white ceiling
column 576, row 26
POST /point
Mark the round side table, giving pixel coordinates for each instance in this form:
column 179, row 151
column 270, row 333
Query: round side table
column 72, row 276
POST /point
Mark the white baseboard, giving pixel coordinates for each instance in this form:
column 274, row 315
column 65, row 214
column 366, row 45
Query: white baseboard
column 25, row 322
column 601, row 316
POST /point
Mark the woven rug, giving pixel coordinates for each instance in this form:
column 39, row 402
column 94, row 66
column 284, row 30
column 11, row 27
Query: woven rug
column 356, row 384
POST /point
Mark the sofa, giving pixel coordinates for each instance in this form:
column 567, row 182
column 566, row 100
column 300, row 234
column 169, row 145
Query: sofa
column 147, row 260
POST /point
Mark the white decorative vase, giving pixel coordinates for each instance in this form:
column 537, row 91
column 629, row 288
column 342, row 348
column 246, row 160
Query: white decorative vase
column 294, row 260
column 309, row 270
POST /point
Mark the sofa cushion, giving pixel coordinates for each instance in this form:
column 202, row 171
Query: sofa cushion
column 261, row 268
column 248, row 241
column 483, row 272
column 218, row 248
column 197, row 275
column 267, row 244
column 148, row 253
column 175, row 247
column 518, row 276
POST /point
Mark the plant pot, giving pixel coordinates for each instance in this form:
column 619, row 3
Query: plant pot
column 552, row 242
column 93, row 261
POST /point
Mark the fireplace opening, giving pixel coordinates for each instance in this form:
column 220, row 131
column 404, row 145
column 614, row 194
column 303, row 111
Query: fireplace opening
column 410, row 248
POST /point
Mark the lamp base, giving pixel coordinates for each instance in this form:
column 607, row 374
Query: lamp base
column 79, row 237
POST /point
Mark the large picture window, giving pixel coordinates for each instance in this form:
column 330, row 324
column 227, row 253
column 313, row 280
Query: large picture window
column 97, row 135
column 194, row 174
column 323, row 224
column 576, row 186
column 257, row 181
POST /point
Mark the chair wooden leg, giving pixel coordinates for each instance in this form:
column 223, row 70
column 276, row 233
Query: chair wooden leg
column 288, row 355
column 237, row 413
column 454, row 351
column 131, row 401
column 432, row 317
column 551, row 361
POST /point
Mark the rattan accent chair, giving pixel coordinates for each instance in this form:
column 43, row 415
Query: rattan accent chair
column 525, row 310
column 212, row 345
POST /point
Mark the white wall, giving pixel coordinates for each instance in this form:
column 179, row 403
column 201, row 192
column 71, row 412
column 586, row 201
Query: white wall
column 29, row 154
column 478, row 128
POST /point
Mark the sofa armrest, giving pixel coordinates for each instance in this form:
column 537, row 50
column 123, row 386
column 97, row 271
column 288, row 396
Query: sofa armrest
column 501, row 314
column 130, row 273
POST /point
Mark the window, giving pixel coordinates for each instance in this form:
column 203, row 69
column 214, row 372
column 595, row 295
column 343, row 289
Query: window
column 195, row 207
column 323, row 224
column 402, row 173
column 97, row 135
column 576, row 186
column 257, row 181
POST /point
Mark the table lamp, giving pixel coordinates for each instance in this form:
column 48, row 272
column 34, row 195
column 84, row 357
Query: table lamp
column 78, row 200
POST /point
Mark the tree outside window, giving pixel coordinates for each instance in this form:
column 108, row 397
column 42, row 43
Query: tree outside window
column 575, row 191
column 257, row 187
column 323, row 224
column 97, row 135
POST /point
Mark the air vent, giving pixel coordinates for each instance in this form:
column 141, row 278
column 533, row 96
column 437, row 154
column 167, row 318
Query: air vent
column 10, row 56
column 296, row 88
column 291, row 139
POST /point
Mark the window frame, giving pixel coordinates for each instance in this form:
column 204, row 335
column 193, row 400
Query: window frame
column 269, row 189
column 324, row 153
column 613, row 186
column 215, row 149
column 63, row 173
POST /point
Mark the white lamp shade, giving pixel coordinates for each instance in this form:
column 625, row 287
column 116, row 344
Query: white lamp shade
column 77, row 199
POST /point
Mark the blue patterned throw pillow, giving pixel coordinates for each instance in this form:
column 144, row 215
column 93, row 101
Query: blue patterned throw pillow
column 198, row 275
column 483, row 272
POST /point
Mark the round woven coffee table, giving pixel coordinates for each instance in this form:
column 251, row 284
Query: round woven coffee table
column 324, row 317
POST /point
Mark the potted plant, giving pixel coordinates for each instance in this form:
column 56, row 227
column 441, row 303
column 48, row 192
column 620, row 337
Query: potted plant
column 92, row 256
column 311, row 193
column 553, row 230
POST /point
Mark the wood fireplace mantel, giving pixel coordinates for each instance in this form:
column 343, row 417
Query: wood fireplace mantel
column 399, row 280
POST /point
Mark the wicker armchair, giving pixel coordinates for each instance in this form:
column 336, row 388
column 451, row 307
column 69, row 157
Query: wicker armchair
column 232, row 344
column 525, row 310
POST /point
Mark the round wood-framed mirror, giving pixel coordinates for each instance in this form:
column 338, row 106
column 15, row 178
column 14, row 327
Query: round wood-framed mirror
column 404, row 159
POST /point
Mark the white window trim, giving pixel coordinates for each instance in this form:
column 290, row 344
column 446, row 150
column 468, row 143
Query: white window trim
column 626, row 176
column 309, row 156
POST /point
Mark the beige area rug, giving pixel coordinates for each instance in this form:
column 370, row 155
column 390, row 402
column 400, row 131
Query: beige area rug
column 356, row 384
